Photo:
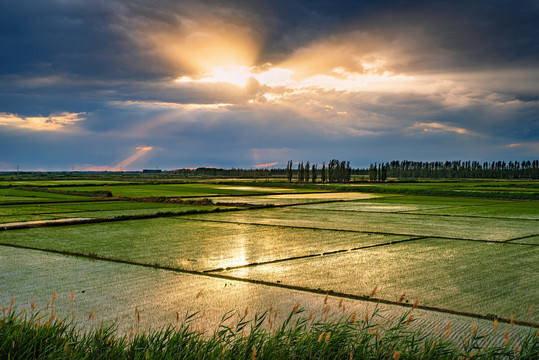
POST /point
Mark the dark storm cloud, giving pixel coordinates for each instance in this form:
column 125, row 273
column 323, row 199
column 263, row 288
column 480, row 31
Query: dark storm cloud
column 102, row 59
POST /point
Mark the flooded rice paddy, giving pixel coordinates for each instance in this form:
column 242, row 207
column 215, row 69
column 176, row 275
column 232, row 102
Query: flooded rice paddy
column 456, row 255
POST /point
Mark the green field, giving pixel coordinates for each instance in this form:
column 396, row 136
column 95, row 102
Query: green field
column 97, row 209
column 175, row 190
column 459, row 254
column 457, row 227
column 443, row 273
column 191, row 245
column 22, row 196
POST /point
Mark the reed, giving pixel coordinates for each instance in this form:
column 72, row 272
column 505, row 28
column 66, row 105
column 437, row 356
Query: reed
column 299, row 336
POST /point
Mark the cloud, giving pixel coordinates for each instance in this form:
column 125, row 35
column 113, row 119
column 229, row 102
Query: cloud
column 259, row 166
column 53, row 122
column 437, row 127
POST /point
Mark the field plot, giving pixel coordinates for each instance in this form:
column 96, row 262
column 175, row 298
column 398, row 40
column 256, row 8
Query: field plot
column 97, row 209
column 57, row 182
column 461, row 275
column 484, row 186
column 368, row 206
column 288, row 199
column 500, row 209
column 389, row 223
column 113, row 291
column 22, row 196
column 192, row 189
column 440, row 206
column 191, row 245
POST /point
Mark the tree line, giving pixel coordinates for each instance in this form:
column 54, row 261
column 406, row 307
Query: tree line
column 335, row 172
column 454, row 169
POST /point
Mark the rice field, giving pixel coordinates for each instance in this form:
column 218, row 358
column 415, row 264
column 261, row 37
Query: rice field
column 96, row 209
column 459, row 255
column 182, row 190
column 457, row 227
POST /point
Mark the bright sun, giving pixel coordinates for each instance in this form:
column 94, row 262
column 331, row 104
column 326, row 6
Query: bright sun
column 235, row 74
column 240, row 74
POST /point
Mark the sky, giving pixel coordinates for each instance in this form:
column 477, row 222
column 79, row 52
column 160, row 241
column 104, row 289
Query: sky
column 134, row 84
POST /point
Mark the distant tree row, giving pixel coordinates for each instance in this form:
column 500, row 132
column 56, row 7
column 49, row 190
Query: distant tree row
column 454, row 169
column 335, row 172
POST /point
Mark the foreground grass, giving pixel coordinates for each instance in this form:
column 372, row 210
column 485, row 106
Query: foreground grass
column 28, row 336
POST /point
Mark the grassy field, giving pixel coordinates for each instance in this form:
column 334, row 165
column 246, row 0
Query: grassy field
column 459, row 254
column 97, row 209
column 191, row 189
column 191, row 245
column 457, row 227
column 22, row 196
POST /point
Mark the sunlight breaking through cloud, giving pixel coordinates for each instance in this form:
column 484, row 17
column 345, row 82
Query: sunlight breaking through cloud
column 139, row 153
column 53, row 122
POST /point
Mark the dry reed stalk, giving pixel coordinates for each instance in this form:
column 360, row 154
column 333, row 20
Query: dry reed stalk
column 515, row 349
column 199, row 294
column 320, row 337
column 326, row 299
column 530, row 310
column 310, row 316
column 373, row 291
column 246, row 311
column 32, row 306
column 92, row 315
column 401, row 299
column 437, row 329
column 506, row 337
column 409, row 319
column 72, row 296
column 53, row 296
column 295, row 308
column 447, row 330
column 397, row 355
column 328, row 336
column 495, row 324
column 353, row 318
column 340, row 304
column 366, row 319
column 474, row 330
column 253, row 356
column 512, row 320
column 416, row 303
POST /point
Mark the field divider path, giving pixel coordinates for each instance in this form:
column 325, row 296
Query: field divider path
column 359, row 231
column 280, row 285
column 333, row 252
